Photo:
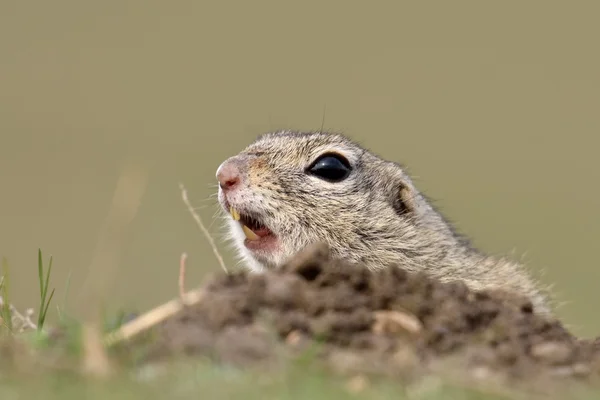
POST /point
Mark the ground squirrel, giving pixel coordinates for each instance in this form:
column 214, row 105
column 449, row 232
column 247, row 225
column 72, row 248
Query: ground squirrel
column 291, row 189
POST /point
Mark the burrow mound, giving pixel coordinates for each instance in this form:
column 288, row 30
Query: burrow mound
column 388, row 321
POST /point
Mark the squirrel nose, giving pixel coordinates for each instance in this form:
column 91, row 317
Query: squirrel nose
column 228, row 175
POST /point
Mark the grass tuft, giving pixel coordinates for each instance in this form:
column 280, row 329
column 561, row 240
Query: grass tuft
column 44, row 281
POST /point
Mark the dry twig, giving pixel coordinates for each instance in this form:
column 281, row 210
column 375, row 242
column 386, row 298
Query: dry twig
column 153, row 317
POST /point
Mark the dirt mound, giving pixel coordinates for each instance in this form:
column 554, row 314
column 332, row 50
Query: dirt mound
column 388, row 321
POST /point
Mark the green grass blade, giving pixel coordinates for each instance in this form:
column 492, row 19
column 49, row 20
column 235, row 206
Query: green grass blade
column 45, row 311
column 4, row 290
column 41, row 273
column 47, row 278
column 67, row 286
column 44, row 282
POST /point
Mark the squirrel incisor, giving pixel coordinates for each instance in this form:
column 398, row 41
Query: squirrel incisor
column 288, row 190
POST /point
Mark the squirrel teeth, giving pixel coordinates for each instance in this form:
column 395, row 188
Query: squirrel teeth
column 249, row 234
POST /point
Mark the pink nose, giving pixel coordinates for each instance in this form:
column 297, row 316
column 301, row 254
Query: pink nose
column 228, row 175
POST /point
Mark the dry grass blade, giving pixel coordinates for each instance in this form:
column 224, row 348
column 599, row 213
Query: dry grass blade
column 96, row 361
column 164, row 311
column 127, row 196
column 182, row 276
column 124, row 206
column 196, row 217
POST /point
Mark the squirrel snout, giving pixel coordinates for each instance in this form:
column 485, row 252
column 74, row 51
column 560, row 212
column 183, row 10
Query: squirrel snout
column 228, row 175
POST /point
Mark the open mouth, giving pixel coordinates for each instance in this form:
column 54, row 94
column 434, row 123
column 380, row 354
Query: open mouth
column 253, row 228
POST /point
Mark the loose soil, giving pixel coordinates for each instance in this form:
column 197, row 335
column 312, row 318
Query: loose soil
column 387, row 322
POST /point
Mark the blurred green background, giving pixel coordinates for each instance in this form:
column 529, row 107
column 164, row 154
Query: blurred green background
column 492, row 106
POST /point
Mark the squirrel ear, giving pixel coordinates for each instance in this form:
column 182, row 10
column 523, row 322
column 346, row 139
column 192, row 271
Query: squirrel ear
column 404, row 201
column 403, row 193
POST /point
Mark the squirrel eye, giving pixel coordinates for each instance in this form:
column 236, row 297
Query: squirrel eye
column 330, row 167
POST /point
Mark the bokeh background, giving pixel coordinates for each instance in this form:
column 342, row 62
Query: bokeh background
column 493, row 106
